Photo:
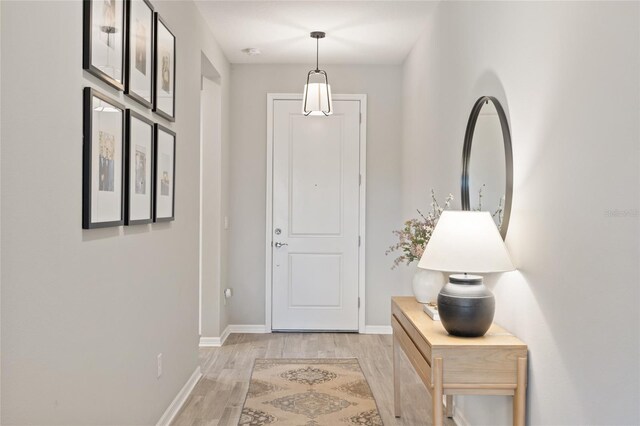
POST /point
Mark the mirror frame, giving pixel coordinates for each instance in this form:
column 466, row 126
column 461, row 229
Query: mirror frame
column 466, row 158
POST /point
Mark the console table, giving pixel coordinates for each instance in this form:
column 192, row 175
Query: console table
column 495, row 364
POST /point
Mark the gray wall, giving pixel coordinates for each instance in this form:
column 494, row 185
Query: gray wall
column 249, row 87
column 84, row 313
column 568, row 74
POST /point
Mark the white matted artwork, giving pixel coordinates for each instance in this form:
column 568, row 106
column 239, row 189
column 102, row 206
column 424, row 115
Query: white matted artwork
column 139, row 182
column 140, row 52
column 165, row 82
column 165, row 170
column 104, row 36
column 103, row 161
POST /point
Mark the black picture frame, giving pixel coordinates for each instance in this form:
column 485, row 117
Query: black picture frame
column 88, row 46
column 129, row 90
column 157, row 170
column 167, row 115
column 129, row 115
column 88, row 153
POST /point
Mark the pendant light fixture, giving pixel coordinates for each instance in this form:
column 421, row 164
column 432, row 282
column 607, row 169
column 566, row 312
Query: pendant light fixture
column 317, row 95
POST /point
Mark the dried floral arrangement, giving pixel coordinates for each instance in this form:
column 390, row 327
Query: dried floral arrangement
column 499, row 211
column 413, row 238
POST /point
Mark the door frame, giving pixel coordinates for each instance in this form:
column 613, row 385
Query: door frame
column 362, row 98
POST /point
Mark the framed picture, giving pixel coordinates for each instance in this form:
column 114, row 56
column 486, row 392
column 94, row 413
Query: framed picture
column 103, row 43
column 165, row 71
column 139, row 52
column 103, row 160
column 139, row 148
column 165, row 174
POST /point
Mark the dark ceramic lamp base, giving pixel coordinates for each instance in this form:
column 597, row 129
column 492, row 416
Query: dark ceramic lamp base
column 466, row 306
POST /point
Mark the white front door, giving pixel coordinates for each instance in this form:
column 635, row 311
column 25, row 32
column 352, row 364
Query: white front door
column 316, row 170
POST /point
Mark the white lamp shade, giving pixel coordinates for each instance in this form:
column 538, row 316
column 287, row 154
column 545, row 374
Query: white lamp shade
column 316, row 100
column 466, row 241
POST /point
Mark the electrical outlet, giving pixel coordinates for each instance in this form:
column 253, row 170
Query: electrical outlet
column 159, row 365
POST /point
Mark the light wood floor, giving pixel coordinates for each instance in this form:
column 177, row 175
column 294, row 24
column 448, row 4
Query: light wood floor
column 218, row 398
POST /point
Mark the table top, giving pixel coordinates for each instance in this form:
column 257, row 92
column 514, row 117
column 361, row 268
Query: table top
column 436, row 335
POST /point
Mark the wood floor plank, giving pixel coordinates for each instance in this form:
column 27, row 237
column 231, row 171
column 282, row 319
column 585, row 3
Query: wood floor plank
column 219, row 396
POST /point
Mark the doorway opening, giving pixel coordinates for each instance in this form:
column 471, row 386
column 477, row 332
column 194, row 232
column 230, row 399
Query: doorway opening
column 211, row 204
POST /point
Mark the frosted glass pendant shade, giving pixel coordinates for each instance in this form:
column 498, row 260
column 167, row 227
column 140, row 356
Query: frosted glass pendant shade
column 317, row 99
column 466, row 241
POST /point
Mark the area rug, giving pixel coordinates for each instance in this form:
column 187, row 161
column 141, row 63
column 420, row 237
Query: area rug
column 309, row 392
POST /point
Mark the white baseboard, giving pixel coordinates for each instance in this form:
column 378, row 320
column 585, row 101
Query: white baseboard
column 215, row 342
column 210, row 342
column 180, row 399
column 378, row 329
column 225, row 333
column 248, row 328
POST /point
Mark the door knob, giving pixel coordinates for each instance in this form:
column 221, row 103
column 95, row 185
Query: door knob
column 279, row 244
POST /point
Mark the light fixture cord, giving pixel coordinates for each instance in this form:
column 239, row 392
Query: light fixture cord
column 317, row 53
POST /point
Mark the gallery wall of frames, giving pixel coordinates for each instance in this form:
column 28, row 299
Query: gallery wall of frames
column 128, row 159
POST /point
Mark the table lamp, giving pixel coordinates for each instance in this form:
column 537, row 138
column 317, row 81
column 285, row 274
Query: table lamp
column 466, row 242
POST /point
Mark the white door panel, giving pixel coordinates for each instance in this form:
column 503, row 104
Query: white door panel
column 316, row 210
column 311, row 271
column 315, row 166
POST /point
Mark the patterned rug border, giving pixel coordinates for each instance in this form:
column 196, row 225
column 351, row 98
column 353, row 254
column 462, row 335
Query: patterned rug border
column 312, row 361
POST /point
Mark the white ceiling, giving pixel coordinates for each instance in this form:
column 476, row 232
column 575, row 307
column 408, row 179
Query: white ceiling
column 358, row 32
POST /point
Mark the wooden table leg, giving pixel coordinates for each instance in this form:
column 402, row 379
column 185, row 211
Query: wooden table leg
column 396, row 376
column 519, row 398
column 436, row 392
column 449, row 412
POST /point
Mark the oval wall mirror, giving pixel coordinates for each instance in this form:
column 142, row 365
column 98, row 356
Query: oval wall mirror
column 487, row 163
